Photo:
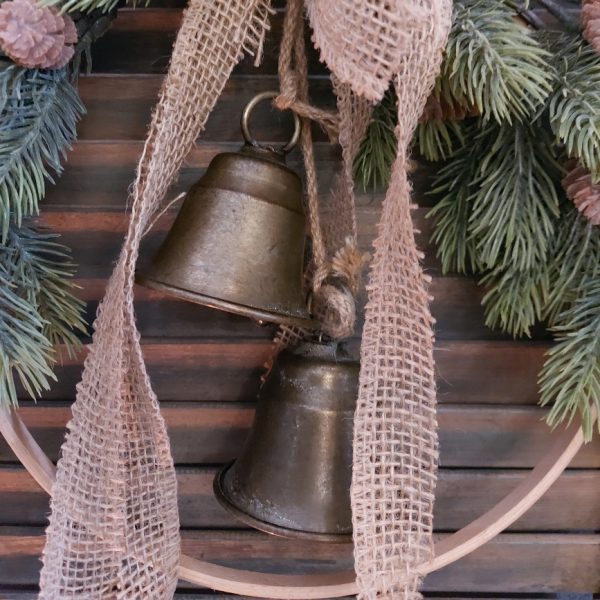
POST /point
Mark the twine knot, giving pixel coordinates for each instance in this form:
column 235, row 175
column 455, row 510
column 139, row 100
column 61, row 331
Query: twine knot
column 334, row 305
column 335, row 286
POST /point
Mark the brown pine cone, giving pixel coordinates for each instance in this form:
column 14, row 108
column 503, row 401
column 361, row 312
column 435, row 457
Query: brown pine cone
column 590, row 21
column 34, row 36
column 585, row 194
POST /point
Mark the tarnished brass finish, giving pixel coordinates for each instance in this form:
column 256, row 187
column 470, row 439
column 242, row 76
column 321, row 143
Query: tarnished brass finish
column 237, row 243
column 293, row 475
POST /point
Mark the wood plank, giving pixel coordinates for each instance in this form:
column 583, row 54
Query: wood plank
column 229, row 371
column 140, row 41
column 510, row 563
column 98, row 174
column 470, row 435
column 95, row 237
column 456, row 307
column 119, row 108
column 571, row 504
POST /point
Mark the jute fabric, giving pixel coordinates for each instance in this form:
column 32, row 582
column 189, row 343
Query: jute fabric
column 395, row 429
column 360, row 40
column 114, row 526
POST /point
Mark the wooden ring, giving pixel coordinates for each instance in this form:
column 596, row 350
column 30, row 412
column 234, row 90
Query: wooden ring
column 330, row 585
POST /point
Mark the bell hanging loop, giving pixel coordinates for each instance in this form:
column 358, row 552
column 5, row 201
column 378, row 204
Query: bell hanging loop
column 237, row 243
column 245, row 125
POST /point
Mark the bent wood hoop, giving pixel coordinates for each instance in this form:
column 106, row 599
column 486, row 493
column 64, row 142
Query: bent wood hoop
column 330, row 585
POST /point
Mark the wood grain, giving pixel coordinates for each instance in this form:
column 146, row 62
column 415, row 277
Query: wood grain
column 470, row 435
column 221, row 370
column 99, row 172
column 456, row 307
column 462, row 494
column 528, row 558
column 141, row 42
column 119, row 108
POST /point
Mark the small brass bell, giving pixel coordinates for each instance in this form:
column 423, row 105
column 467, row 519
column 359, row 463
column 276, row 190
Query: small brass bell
column 293, row 475
column 237, row 243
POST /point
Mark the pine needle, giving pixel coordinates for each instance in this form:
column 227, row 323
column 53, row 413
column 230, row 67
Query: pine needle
column 37, row 310
column 451, row 214
column 38, row 114
column 514, row 202
column 89, row 5
column 373, row 163
column 438, row 140
column 514, row 300
column 570, row 377
column 493, row 62
column 574, row 106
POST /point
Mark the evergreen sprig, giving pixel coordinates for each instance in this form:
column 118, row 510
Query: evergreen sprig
column 515, row 204
column 574, row 105
column 437, row 140
column 574, row 257
column 498, row 202
column 379, row 146
column 570, row 377
column 493, row 62
column 514, row 300
column 37, row 310
column 452, row 184
column 38, row 115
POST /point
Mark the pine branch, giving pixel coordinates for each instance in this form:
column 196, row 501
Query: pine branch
column 493, row 62
column 38, row 114
column 570, row 378
column 438, row 140
column 574, row 257
column 37, row 310
column 451, row 214
column 373, row 163
column 515, row 299
column 574, row 106
column 515, row 203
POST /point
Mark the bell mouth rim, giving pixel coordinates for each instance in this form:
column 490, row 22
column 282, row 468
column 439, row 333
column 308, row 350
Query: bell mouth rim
column 270, row 528
column 226, row 305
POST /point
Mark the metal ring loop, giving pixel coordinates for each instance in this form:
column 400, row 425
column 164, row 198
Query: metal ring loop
column 245, row 124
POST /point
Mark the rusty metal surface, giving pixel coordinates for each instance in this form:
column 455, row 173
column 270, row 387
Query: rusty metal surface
column 293, row 475
column 237, row 243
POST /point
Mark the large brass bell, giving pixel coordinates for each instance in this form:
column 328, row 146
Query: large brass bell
column 293, row 475
column 237, row 243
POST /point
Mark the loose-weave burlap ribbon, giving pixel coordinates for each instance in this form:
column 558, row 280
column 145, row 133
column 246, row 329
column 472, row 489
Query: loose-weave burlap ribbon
column 395, row 429
column 114, row 526
column 114, row 529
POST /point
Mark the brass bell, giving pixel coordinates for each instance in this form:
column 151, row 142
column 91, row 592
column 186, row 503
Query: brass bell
column 293, row 475
column 237, row 243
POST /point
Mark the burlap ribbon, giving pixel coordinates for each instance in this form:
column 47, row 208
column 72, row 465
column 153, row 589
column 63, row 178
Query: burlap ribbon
column 114, row 530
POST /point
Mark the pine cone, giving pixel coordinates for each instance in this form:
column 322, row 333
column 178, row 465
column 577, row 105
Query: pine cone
column 438, row 109
column 36, row 37
column 583, row 192
column 590, row 21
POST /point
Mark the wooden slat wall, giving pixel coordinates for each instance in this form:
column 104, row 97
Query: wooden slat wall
column 205, row 365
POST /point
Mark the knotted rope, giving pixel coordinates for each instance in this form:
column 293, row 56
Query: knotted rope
column 334, row 274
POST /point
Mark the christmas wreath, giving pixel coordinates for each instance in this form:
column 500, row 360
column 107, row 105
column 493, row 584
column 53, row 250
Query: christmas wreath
column 514, row 122
column 513, row 126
